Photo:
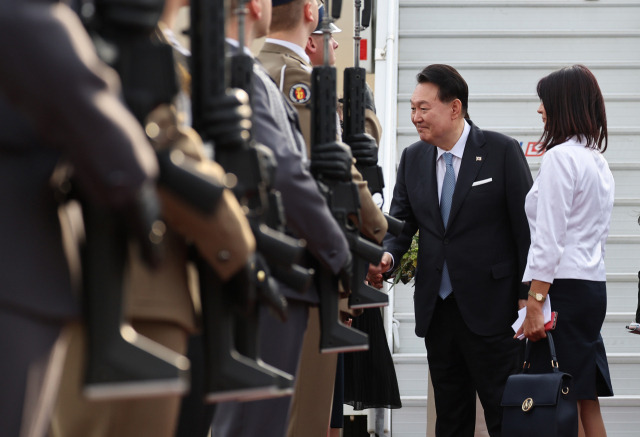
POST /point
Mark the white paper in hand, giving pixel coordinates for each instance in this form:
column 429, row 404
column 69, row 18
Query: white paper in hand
column 522, row 313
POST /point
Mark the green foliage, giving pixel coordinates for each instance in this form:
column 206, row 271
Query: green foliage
column 408, row 263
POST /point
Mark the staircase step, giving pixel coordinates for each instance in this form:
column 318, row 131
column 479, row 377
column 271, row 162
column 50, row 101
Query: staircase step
column 619, row 412
column 412, row 369
column 622, row 292
column 616, row 337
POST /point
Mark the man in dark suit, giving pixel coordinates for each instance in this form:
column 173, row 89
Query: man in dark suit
column 463, row 189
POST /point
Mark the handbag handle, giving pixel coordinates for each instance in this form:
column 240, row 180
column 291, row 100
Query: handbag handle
column 552, row 350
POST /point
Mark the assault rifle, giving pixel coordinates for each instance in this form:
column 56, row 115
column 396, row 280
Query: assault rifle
column 354, row 98
column 252, row 166
column 285, row 269
column 362, row 295
column 120, row 362
column 343, row 200
column 146, row 67
column 354, row 109
column 282, row 268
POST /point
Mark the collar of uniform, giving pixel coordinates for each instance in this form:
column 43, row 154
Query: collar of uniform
column 458, row 148
column 234, row 43
column 295, row 48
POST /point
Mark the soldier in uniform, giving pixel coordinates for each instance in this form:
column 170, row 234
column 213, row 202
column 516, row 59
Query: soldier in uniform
column 284, row 56
column 58, row 100
column 159, row 302
column 307, row 215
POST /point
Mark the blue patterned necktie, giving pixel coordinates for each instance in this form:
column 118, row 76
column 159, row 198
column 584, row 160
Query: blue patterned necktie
column 446, row 196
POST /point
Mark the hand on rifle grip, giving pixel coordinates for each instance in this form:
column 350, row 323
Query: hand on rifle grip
column 244, row 295
column 345, row 273
column 228, row 118
column 267, row 289
column 143, row 223
column 268, row 163
column 331, row 160
column 364, row 148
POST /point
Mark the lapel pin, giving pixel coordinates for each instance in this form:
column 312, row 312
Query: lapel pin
column 478, row 158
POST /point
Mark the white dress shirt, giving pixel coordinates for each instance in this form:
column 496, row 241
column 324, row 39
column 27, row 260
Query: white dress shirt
column 441, row 166
column 569, row 210
column 457, row 151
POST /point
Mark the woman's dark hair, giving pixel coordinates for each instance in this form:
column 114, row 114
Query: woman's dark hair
column 450, row 84
column 574, row 105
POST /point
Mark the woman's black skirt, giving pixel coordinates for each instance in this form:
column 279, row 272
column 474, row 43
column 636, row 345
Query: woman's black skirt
column 581, row 307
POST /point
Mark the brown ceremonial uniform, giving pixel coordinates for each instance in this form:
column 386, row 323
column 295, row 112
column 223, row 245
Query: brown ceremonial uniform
column 293, row 75
column 159, row 303
column 372, row 125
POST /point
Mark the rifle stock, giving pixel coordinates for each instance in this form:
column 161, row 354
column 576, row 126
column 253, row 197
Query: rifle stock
column 120, row 363
column 229, row 375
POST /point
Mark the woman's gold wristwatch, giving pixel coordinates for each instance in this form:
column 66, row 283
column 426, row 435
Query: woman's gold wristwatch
column 538, row 296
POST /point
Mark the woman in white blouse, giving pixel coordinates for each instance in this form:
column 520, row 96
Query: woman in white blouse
column 569, row 209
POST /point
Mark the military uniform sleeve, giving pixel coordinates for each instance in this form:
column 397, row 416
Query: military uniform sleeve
column 305, row 209
column 223, row 237
column 51, row 74
column 373, row 221
column 373, row 224
column 297, row 89
column 372, row 125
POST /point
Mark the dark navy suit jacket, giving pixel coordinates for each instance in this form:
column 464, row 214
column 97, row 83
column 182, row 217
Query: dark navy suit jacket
column 487, row 238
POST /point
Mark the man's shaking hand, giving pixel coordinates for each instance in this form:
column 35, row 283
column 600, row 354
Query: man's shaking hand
column 374, row 276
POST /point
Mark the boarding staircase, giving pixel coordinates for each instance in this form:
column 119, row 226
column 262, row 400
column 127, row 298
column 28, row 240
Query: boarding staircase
column 502, row 48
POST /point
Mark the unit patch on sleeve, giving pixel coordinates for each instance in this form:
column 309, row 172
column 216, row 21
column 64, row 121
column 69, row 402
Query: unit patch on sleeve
column 300, row 93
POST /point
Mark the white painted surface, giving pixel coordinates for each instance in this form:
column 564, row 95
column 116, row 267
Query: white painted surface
column 503, row 48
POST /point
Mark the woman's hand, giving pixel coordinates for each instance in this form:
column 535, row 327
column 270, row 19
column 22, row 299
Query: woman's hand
column 533, row 325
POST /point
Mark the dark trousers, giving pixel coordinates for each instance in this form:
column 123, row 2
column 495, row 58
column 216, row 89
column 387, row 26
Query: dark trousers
column 462, row 363
column 26, row 343
column 195, row 416
column 280, row 346
column 337, row 408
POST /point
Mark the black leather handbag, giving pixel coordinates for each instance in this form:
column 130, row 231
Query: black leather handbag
column 540, row 405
